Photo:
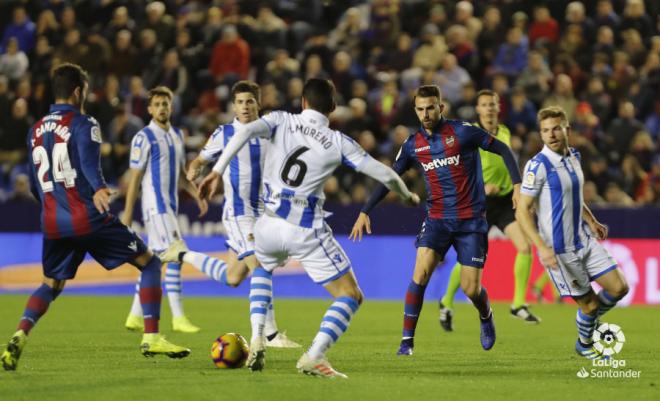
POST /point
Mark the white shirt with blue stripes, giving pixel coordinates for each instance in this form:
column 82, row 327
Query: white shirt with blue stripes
column 303, row 152
column 242, row 179
column 161, row 155
column 556, row 182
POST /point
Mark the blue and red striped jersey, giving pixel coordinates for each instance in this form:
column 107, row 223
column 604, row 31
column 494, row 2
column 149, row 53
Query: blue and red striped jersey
column 449, row 160
column 65, row 171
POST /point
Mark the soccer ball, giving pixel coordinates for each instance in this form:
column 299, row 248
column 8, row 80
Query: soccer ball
column 229, row 351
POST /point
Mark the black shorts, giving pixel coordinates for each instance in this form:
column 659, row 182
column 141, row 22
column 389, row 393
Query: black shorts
column 499, row 211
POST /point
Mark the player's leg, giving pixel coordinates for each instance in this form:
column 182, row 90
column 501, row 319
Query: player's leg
column 471, row 249
column 522, row 268
column 115, row 244
column 425, row 262
column 446, row 304
column 347, row 299
column 35, row 308
column 60, row 261
column 603, row 269
column 134, row 320
column 586, row 320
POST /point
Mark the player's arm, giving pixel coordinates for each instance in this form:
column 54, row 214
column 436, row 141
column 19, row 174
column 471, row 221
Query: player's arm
column 600, row 230
column 257, row 128
column 89, row 143
column 190, row 189
column 140, row 148
column 209, row 154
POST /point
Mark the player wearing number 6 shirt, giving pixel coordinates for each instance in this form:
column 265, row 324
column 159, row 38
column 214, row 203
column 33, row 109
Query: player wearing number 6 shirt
column 302, row 154
column 64, row 158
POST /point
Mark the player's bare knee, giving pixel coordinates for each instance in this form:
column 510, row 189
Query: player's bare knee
column 353, row 292
column 471, row 289
column 590, row 308
column 620, row 290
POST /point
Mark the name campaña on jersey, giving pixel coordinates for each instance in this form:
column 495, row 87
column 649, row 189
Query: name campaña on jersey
column 437, row 163
column 312, row 133
column 51, row 126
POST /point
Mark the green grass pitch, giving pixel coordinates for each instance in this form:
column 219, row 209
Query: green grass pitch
column 80, row 351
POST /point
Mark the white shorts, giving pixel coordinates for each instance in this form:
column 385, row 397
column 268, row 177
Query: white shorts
column 578, row 269
column 162, row 230
column 316, row 249
column 240, row 233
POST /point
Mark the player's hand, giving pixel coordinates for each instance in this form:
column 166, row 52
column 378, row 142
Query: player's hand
column 209, row 185
column 516, row 195
column 413, row 200
column 102, row 199
column 193, row 172
column 203, row 206
column 599, row 230
column 361, row 224
column 548, row 257
column 491, row 189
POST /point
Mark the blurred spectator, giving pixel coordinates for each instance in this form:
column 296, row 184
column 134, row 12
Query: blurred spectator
column 451, row 79
column 150, row 56
column 604, row 41
column 103, row 105
column 401, row 58
column 282, row 69
column 636, row 182
column 642, row 148
column 124, row 62
column 314, row 68
column 562, row 96
column 615, row 196
column 587, row 123
column 5, row 101
column 42, row 59
column 599, row 100
column 573, row 44
column 48, row 26
column 652, row 123
column 460, row 45
column 14, row 63
column 591, row 197
column 360, row 120
column 21, row 189
column 621, row 130
column 635, row 17
column 72, row 50
column 160, row 23
column 521, row 116
column 577, row 15
column 190, row 53
column 634, row 47
column 13, row 142
column 21, row 28
column 465, row 16
column 598, row 172
column 68, row 21
column 605, row 15
column 136, row 100
column 230, row 58
column 464, row 109
column 121, row 130
column 120, row 20
column 490, row 36
column 348, row 33
column 386, row 102
column 293, row 102
column 544, row 29
column 431, row 50
column 511, row 56
column 535, row 78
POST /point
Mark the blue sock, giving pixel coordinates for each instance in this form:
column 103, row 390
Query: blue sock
column 586, row 325
column 261, row 295
column 335, row 323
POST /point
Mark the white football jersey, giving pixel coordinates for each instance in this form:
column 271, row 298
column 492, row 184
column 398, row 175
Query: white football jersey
column 302, row 154
column 556, row 182
column 242, row 179
column 161, row 155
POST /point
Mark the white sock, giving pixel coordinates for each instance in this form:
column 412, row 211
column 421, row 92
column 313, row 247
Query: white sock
column 173, row 288
column 212, row 267
column 261, row 290
column 136, row 307
column 271, row 326
column 335, row 323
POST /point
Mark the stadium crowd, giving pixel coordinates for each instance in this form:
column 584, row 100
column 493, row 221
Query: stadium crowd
column 599, row 60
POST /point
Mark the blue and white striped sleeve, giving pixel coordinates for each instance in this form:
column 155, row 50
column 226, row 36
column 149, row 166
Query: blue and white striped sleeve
column 533, row 178
column 352, row 154
column 140, row 148
column 214, row 146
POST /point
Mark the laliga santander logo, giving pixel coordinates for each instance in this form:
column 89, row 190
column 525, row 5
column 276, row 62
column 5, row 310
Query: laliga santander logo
column 608, row 339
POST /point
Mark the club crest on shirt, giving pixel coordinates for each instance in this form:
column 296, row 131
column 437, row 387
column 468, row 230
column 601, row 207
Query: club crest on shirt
column 529, row 179
column 449, row 141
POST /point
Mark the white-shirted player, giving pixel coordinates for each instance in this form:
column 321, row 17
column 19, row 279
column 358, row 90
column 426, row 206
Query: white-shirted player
column 552, row 185
column 157, row 157
column 243, row 203
column 302, row 154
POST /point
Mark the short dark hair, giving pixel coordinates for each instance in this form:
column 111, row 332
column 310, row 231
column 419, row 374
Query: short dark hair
column 427, row 91
column 486, row 92
column 66, row 78
column 320, row 95
column 159, row 91
column 246, row 87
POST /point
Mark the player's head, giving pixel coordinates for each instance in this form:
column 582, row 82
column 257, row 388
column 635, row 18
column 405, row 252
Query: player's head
column 428, row 105
column 487, row 105
column 160, row 104
column 554, row 128
column 319, row 94
column 70, row 84
column 245, row 97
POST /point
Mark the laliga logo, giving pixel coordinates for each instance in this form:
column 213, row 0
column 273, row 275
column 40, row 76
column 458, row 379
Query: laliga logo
column 608, row 339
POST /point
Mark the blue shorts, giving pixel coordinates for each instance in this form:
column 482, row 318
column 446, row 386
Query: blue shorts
column 111, row 245
column 469, row 238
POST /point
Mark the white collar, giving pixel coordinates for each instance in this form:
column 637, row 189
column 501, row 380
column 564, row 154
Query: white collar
column 157, row 128
column 554, row 157
column 315, row 118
